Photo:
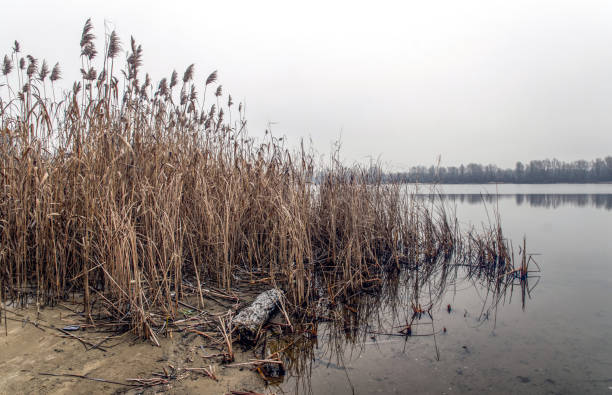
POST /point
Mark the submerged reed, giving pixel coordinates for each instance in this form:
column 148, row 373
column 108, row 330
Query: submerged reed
column 124, row 192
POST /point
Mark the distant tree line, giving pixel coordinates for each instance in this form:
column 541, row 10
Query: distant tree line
column 534, row 172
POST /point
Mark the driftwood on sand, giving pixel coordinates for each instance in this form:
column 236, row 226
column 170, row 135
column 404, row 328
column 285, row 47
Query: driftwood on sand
column 252, row 318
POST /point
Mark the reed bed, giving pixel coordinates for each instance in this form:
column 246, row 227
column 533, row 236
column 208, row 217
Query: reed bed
column 134, row 195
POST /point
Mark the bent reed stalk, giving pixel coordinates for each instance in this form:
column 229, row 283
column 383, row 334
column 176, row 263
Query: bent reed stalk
column 123, row 192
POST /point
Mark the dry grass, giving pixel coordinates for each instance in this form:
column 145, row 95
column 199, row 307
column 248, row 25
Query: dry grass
column 123, row 191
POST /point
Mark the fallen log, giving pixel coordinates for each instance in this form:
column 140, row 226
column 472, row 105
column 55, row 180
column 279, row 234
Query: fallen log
column 250, row 319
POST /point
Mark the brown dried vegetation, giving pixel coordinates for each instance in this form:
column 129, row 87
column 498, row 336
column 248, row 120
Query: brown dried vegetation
column 125, row 192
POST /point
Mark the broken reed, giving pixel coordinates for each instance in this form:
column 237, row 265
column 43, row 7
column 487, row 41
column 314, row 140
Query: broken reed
column 122, row 190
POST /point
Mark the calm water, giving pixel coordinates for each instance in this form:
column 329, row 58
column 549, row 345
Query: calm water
column 561, row 342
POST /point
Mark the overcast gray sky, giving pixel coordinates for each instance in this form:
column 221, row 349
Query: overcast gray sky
column 472, row 81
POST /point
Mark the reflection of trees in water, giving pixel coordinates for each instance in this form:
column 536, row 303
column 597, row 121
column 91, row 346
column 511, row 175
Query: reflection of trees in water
column 603, row 201
column 408, row 298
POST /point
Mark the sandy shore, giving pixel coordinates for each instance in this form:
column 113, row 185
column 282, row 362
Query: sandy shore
column 29, row 350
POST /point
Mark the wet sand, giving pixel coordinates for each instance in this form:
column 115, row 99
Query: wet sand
column 28, row 351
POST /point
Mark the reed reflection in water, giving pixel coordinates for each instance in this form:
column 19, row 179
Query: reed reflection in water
column 402, row 310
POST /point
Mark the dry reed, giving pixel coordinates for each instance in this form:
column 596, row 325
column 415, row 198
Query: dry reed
column 122, row 191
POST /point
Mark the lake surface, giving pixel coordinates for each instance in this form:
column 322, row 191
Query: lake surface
column 558, row 341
